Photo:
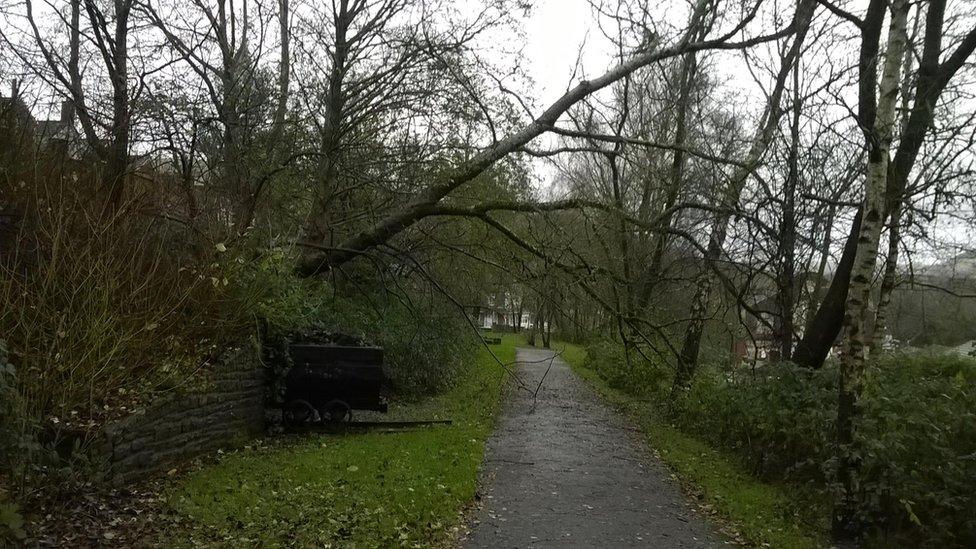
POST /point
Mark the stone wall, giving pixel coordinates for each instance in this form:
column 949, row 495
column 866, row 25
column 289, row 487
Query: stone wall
column 227, row 409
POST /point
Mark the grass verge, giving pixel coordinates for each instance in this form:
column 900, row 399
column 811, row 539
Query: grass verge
column 354, row 490
column 759, row 513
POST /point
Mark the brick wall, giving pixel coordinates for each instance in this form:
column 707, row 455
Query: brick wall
column 225, row 411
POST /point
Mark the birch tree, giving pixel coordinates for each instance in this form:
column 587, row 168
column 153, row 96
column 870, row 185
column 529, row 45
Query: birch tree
column 936, row 69
column 879, row 137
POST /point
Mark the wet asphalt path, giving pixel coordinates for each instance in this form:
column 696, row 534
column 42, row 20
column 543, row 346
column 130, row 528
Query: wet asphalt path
column 563, row 470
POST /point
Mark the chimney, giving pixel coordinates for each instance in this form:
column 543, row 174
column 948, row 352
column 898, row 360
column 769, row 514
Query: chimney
column 67, row 111
column 14, row 88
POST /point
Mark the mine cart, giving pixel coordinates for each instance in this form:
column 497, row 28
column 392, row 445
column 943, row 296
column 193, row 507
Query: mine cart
column 327, row 382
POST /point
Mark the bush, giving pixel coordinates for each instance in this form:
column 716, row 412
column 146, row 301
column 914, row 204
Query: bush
column 425, row 340
column 640, row 375
column 919, row 440
column 425, row 349
column 917, row 433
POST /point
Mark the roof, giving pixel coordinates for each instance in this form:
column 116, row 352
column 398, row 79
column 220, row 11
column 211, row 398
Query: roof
column 15, row 106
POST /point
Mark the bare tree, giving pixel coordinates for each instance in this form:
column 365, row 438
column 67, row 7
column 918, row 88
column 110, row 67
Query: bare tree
column 932, row 78
column 109, row 35
column 425, row 202
column 688, row 357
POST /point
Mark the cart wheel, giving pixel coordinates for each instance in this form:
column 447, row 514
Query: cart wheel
column 336, row 411
column 299, row 412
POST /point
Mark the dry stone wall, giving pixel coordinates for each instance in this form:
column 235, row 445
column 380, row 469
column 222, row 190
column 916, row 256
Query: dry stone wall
column 225, row 411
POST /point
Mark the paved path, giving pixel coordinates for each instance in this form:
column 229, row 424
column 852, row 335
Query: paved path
column 562, row 470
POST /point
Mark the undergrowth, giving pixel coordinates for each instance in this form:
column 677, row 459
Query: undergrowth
column 101, row 316
column 762, row 514
column 916, row 432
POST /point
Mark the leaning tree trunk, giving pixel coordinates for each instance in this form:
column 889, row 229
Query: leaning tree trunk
column 425, row 201
column 821, row 332
column 851, row 379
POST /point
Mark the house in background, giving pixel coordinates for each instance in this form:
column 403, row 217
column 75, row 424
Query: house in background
column 18, row 124
column 16, row 121
column 759, row 339
column 966, row 349
column 502, row 312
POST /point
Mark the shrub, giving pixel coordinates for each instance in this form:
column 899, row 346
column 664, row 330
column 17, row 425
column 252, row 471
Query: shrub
column 916, row 432
column 97, row 315
column 638, row 374
column 425, row 339
column 95, row 318
column 919, row 444
column 425, row 349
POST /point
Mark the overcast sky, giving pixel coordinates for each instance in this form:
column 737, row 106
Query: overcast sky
column 555, row 31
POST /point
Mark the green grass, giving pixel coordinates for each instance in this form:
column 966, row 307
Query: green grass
column 354, row 490
column 758, row 512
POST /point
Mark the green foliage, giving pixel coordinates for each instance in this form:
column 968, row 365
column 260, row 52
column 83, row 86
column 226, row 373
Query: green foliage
column 19, row 448
column 637, row 373
column 424, row 338
column 9, row 412
column 919, row 439
column 11, row 442
column 11, row 523
column 354, row 490
column 916, row 434
column 762, row 514
column 424, row 350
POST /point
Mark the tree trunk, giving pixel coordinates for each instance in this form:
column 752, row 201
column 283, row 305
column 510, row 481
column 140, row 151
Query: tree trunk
column 687, row 75
column 688, row 357
column 284, row 72
column 932, row 79
column 887, row 281
column 851, row 379
column 424, row 201
column 116, row 161
column 787, row 237
column 318, row 230
column 546, row 328
column 880, row 329
column 822, row 331
column 814, row 298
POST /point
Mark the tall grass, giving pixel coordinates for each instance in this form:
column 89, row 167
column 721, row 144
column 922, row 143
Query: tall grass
column 98, row 311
